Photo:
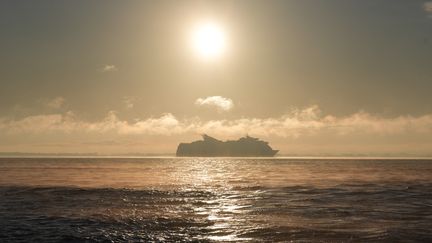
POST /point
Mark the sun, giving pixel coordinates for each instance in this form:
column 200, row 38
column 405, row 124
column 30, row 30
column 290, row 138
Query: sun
column 209, row 40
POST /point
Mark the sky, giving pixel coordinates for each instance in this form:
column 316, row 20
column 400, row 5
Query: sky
column 325, row 77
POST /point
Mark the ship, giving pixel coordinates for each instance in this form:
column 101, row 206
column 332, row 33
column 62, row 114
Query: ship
column 211, row 147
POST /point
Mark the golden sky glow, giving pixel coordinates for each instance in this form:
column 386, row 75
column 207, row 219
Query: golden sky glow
column 324, row 77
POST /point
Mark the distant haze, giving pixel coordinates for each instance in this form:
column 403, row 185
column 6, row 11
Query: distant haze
column 325, row 77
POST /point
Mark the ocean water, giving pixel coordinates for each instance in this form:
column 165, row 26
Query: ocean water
column 215, row 199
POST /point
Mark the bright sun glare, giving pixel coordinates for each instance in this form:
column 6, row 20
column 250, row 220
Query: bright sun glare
column 209, row 40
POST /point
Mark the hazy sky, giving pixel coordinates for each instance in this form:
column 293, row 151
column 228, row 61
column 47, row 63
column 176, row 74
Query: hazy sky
column 312, row 77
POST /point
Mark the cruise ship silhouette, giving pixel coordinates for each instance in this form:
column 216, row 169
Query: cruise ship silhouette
column 211, row 147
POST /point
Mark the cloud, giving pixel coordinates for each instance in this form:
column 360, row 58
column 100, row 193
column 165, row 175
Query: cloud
column 108, row 68
column 427, row 6
column 166, row 124
column 303, row 131
column 129, row 101
column 55, row 103
column 221, row 103
column 295, row 124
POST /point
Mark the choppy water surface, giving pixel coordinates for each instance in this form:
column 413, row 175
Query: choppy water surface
column 154, row 199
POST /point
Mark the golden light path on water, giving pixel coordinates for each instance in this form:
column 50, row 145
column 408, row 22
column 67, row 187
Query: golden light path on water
column 211, row 173
column 225, row 199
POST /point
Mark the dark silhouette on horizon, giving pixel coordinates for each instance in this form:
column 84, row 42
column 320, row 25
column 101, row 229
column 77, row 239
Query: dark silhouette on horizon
column 212, row 147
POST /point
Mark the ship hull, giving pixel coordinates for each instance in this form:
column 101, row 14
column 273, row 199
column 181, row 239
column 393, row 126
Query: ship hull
column 210, row 147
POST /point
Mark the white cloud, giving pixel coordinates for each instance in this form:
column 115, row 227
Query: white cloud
column 221, row 103
column 427, row 6
column 304, row 122
column 108, row 68
column 55, row 103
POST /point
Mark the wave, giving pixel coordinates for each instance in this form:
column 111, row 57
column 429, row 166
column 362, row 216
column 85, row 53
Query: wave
column 346, row 212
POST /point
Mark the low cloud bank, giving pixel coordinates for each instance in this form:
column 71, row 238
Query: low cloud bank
column 301, row 122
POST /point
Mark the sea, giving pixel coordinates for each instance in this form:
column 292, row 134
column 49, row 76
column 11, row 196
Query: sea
column 215, row 200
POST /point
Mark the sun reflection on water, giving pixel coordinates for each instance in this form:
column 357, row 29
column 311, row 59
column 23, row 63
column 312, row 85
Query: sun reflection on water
column 228, row 208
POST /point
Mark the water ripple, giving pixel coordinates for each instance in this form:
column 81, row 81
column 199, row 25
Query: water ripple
column 214, row 206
